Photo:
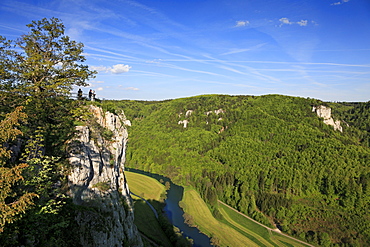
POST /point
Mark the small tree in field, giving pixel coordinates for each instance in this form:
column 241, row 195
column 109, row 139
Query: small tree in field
column 43, row 62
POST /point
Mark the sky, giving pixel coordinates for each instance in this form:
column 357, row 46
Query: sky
column 167, row 49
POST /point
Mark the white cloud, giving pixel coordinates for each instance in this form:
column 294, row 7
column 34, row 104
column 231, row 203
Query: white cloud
column 120, row 68
column 131, row 88
column 99, row 89
column 302, row 23
column 286, row 21
column 241, row 23
column 116, row 69
column 340, row 2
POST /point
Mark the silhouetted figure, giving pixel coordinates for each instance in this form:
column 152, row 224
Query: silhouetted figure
column 93, row 95
column 79, row 94
column 90, row 94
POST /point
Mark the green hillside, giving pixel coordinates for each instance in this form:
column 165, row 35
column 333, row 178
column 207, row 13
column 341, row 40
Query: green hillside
column 270, row 157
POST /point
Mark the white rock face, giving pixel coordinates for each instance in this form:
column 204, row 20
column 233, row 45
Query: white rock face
column 188, row 113
column 97, row 180
column 219, row 111
column 325, row 112
column 215, row 111
column 184, row 122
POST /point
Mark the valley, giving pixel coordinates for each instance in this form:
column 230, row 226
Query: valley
column 270, row 157
column 232, row 230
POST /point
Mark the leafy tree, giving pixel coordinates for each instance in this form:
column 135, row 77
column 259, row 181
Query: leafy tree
column 43, row 62
column 38, row 70
column 11, row 203
column 37, row 73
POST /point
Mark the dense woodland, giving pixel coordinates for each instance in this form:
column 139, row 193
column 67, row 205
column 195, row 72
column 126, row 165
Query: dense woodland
column 270, row 157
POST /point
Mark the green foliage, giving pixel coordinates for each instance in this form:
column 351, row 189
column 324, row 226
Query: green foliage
column 48, row 225
column 43, row 62
column 357, row 116
column 12, row 203
column 102, row 186
column 37, row 72
column 269, row 156
column 107, row 134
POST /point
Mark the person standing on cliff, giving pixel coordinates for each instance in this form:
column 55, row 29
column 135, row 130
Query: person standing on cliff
column 90, row 94
column 79, row 94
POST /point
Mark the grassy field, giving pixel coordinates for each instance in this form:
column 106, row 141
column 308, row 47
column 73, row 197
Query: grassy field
column 234, row 230
column 145, row 220
column 255, row 231
column 144, row 186
column 203, row 218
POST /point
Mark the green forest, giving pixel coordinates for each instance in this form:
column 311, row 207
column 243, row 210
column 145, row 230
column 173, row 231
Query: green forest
column 270, row 157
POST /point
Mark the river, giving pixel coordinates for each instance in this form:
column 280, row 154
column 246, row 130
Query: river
column 174, row 212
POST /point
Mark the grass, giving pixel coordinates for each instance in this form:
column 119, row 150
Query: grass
column 253, row 231
column 234, row 230
column 148, row 224
column 261, row 234
column 145, row 220
column 203, row 218
column 144, row 186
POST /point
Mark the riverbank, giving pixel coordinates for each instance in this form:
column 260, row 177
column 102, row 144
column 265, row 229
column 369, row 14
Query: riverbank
column 235, row 229
column 142, row 183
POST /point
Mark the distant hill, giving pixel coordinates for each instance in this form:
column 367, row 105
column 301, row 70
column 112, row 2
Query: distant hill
column 272, row 157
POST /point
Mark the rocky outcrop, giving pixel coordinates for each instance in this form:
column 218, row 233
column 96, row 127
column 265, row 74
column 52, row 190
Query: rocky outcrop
column 97, row 180
column 325, row 112
column 184, row 122
column 215, row 111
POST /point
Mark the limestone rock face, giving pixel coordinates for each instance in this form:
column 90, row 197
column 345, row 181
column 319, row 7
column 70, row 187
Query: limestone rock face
column 325, row 112
column 97, row 180
column 184, row 122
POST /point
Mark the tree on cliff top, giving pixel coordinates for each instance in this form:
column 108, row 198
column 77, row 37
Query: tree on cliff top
column 37, row 71
column 43, row 62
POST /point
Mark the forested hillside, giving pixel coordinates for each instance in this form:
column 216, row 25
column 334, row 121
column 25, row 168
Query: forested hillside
column 271, row 157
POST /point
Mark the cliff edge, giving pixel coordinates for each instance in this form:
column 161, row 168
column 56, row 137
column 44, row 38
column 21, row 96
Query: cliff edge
column 97, row 181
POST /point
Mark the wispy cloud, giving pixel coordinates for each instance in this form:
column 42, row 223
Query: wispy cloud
column 131, row 89
column 149, row 73
column 234, row 51
column 115, row 53
column 340, row 2
column 232, row 70
column 190, row 70
column 250, row 70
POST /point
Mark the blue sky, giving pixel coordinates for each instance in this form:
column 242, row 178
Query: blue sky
column 166, row 49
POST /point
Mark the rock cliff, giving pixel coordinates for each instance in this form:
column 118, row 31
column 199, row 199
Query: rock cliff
column 325, row 112
column 97, row 180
